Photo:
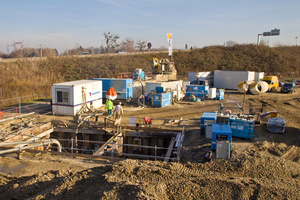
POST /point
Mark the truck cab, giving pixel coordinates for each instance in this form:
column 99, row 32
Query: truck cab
column 199, row 82
column 272, row 81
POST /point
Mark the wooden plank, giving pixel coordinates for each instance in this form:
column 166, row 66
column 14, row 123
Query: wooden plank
column 170, row 149
column 40, row 136
column 100, row 151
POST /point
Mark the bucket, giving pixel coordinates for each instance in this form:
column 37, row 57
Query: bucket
column 273, row 114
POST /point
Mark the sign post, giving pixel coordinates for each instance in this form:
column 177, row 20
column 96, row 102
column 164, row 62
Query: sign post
column 273, row 32
column 169, row 37
column 149, row 46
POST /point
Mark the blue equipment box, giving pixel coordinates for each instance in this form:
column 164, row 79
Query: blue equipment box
column 123, row 87
column 197, row 90
column 211, row 116
column 139, row 76
column 241, row 127
column 159, row 89
column 221, row 132
column 161, row 99
column 220, row 94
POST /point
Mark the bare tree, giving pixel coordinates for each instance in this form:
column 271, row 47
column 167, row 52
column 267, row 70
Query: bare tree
column 231, row 43
column 111, row 41
column 140, row 45
column 127, row 45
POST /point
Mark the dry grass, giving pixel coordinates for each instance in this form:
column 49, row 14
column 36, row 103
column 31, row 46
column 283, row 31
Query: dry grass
column 27, row 77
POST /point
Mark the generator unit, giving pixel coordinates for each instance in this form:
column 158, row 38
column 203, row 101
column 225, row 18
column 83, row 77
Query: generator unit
column 197, row 90
column 242, row 127
column 206, row 121
column 221, row 132
column 161, row 99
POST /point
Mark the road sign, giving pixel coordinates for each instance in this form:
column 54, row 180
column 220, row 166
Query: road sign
column 149, row 45
column 275, row 32
column 272, row 33
column 266, row 33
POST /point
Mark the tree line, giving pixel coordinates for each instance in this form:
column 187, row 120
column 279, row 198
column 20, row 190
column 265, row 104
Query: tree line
column 111, row 45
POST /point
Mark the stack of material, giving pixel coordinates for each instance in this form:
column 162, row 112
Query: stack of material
column 276, row 125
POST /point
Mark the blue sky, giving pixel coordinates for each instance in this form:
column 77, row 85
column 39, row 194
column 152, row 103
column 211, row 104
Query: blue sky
column 66, row 24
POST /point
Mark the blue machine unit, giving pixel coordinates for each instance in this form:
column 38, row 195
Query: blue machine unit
column 207, row 119
column 241, row 127
column 211, row 116
column 220, row 94
column 161, row 99
column 221, row 132
column 123, row 87
column 197, row 90
column 139, row 76
column 159, row 89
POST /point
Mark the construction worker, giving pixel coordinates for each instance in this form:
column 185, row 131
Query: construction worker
column 119, row 111
column 109, row 106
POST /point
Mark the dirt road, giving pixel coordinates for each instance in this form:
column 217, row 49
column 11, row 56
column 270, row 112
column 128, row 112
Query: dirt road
column 266, row 167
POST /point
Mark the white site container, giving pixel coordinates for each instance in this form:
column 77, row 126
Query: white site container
column 230, row 79
column 137, row 89
column 67, row 97
column 212, row 93
column 259, row 76
column 172, row 85
column 184, row 84
column 201, row 76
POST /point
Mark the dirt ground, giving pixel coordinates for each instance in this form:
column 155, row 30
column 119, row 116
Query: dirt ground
column 266, row 167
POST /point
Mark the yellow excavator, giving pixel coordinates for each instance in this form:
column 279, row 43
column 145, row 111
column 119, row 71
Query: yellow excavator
column 163, row 69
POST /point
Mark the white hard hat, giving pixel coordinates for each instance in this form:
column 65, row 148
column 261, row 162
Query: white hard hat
column 120, row 103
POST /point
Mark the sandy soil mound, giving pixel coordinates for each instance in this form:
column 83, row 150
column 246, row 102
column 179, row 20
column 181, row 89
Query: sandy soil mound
column 252, row 175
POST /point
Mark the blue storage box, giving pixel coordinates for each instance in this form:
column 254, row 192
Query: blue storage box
column 220, row 94
column 241, row 127
column 123, row 87
column 161, row 99
column 197, row 90
column 221, row 132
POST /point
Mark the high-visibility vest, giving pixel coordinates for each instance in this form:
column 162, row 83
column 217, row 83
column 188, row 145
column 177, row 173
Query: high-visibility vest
column 109, row 105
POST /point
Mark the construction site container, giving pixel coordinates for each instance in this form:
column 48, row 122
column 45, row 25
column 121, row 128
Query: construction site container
column 241, row 127
column 221, row 132
column 68, row 97
column 161, row 99
column 167, row 85
column 192, row 76
column 123, row 87
column 220, row 94
column 197, row 90
column 230, row 79
column 259, row 76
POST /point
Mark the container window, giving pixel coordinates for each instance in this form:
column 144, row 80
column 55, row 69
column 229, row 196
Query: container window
column 62, row 97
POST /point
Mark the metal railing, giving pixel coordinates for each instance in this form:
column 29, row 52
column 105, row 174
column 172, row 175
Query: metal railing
column 112, row 150
column 24, row 105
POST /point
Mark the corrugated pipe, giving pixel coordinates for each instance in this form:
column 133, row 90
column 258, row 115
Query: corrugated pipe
column 40, row 143
column 243, row 86
column 259, row 87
